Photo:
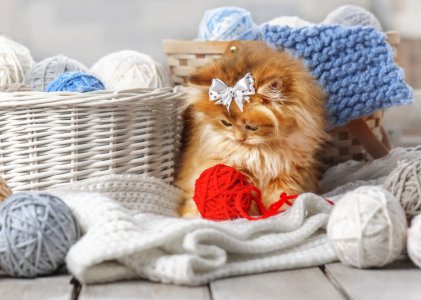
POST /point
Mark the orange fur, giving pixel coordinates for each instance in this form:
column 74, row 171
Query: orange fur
column 275, row 140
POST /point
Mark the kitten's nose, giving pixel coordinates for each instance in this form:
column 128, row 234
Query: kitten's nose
column 240, row 136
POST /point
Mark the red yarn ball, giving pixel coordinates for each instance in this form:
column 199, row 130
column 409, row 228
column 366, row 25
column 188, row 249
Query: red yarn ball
column 223, row 193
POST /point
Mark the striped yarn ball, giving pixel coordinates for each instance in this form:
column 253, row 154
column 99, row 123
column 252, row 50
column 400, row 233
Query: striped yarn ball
column 75, row 82
column 228, row 23
column 130, row 69
column 45, row 71
column 15, row 61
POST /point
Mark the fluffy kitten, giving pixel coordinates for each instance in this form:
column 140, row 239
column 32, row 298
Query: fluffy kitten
column 274, row 141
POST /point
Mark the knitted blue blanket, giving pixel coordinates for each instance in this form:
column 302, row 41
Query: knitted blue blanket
column 354, row 65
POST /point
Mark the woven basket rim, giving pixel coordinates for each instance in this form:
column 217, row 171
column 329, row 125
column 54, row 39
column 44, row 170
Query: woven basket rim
column 24, row 100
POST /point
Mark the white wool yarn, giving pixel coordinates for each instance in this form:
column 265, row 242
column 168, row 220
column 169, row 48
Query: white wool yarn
column 352, row 15
column 291, row 21
column 15, row 61
column 414, row 241
column 129, row 69
column 367, row 227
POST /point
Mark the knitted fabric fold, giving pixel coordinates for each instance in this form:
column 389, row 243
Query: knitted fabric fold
column 131, row 229
column 121, row 243
column 354, row 65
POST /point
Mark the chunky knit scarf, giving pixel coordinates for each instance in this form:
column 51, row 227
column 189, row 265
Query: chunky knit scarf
column 354, row 65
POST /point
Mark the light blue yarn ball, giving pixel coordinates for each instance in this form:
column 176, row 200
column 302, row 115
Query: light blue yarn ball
column 228, row 23
column 36, row 232
column 75, row 82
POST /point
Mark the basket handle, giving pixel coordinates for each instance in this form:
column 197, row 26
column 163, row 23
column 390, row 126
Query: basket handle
column 375, row 147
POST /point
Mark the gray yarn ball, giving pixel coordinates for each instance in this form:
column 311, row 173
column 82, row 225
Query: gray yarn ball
column 405, row 184
column 45, row 71
column 352, row 15
column 36, row 232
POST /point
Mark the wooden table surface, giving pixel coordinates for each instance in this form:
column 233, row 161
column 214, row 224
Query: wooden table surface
column 400, row 280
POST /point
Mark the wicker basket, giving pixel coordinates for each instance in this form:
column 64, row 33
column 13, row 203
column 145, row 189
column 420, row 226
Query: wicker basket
column 53, row 138
column 183, row 57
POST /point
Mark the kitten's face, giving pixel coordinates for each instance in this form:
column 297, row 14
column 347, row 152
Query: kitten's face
column 256, row 125
column 283, row 105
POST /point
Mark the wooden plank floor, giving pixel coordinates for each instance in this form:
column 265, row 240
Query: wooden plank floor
column 57, row 288
column 400, row 280
column 298, row 284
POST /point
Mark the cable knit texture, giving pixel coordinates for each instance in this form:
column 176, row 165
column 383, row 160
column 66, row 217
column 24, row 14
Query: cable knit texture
column 354, row 65
column 130, row 229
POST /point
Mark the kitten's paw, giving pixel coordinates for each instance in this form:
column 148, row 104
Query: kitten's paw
column 189, row 210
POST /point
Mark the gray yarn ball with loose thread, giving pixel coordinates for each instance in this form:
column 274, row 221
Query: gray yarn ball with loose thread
column 45, row 71
column 405, row 184
column 36, row 232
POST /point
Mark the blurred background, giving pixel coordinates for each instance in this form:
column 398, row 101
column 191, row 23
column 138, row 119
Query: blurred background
column 88, row 29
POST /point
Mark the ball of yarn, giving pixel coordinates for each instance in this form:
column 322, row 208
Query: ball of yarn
column 291, row 21
column 75, row 82
column 45, row 71
column 15, row 61
column 129, row 69
column 228, row 23
column 14, row 87
column 367, row 227
column 352, row 15
column 36, row 231
column 222, row 193
column 414, row 241
column 405, row 184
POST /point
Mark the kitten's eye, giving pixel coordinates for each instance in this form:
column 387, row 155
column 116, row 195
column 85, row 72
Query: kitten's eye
column 275, row 85
column 226, row 123
column 248, row 127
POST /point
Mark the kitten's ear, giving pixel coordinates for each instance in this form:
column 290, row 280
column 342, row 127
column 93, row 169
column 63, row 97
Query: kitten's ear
column 272, row 89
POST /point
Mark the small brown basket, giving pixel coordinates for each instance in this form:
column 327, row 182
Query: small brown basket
column 361, row 139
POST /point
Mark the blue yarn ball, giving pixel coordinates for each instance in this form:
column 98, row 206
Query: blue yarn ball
column 36, row 232
column 228, row 23
column 75, row 82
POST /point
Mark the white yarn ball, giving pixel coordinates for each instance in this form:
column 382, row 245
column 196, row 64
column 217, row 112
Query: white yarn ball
column 367, row 227
column 414, row 241
column 352, row 15
column 15, row 61
column 291, row 21
column 129, row 69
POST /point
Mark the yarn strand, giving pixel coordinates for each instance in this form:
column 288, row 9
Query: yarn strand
column 274, row 208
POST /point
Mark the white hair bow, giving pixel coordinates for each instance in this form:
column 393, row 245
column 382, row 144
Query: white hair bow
column 241, row 92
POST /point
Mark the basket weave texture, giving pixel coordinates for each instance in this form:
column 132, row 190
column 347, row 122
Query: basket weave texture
column 48, row 139
column 346, row 146
column 184, row 57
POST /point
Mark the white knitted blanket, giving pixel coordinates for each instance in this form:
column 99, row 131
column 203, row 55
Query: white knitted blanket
column 131, row 231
